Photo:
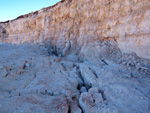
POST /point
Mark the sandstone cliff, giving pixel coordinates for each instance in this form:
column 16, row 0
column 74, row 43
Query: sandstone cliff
column 69, row 58
column 79, row 21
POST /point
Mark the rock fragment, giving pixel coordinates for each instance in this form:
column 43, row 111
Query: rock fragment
column 83, row 89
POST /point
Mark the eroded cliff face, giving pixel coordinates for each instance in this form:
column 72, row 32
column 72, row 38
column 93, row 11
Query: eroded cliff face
column 74, row 23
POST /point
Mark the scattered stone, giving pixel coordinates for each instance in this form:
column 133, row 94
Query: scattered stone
column 27, row 64
column 93, row 90
column 75, row 108
column 3, row 72
column 124, row 63
column 73, row 81
column 90, row 102
column 83, row 89
column 80, row 83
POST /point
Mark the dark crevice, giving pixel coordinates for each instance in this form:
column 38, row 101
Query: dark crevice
column 61, row 72
column 24, row 65
column 104, row 62
column 88, row 86
column 94, row 72
column 79, row 73
column 19, row 94
column 6, row 75
column 80, row 76
column 69, row 105
column 102, row 93
column 81, row 108
column 93, row 100
column 4, row 32
column 69, row 109
column 64, row 67
column 78, row 87
column 53, row 50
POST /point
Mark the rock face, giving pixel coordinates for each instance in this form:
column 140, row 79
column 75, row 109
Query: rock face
column 78, row 56
column 76, row 22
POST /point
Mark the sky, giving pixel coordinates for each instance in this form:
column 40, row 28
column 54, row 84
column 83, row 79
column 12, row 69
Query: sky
column 11, row 9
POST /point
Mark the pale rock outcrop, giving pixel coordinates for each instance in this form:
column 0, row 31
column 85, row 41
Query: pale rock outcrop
column 77, row 56
column 72, row 23
column 33, row 80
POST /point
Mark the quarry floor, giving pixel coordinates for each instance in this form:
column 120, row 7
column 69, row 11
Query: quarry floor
column 34, row 81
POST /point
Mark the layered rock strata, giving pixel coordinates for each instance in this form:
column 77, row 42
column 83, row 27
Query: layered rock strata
column 72, row 23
